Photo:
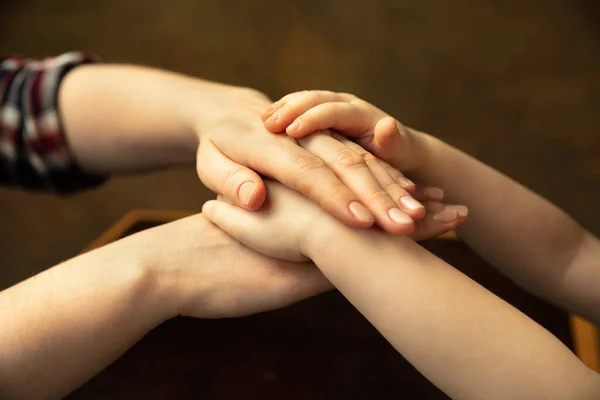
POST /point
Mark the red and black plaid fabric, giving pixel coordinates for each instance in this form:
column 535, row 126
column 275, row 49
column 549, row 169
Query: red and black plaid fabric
column 33, row 149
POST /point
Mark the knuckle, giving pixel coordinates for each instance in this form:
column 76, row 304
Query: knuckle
column 346, row 158
column 329, row 196
column 390, row 185
column 369, row 158
column 229, row 178
column 314, row 97
column 308, row 163
column 348, row 96
column 359, row 102
column 380, row 196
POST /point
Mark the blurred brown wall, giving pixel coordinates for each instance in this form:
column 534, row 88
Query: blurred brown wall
column 516, row 83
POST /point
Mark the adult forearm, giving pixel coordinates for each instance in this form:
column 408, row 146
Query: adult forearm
column 61, row 327
column 121, row 118
column 465, row 340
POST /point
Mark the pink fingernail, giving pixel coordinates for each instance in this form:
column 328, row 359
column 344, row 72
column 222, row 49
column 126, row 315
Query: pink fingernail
column 448, row 215
column 245, row 192
column 399, row 217
column 295, row 125
column 410, row 203
column 360, row 212
column 462, row 211
column 434, row 193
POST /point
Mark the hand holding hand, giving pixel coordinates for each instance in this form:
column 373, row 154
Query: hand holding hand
column 200, row 271
column 235, row 147
column 302, row 113
column 285, row 224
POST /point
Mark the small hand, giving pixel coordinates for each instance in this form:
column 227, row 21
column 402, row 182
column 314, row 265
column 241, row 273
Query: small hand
column 282, row 227
column 302, row 113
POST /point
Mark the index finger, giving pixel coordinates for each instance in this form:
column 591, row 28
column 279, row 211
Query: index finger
column 280, row 158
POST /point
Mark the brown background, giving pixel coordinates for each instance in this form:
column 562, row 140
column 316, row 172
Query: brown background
column 516, row 83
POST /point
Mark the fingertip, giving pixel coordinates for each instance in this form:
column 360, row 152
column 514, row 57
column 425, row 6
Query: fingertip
column 448, row 215
column 433, row 193
column 462, row 211
column 266, row 113
column 209, row 207
column 251, row 194
column 412, row 207
column 361, row 214
column 385, row 131
column 418, row 214
column 258, row 198
column 406, row 184
column 272, row 123
column 401, row 230
column 400, row 222
column 297, row 134
column 294, row 126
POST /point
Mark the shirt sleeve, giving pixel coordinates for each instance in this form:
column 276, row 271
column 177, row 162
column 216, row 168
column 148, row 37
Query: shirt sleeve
column 34, row 152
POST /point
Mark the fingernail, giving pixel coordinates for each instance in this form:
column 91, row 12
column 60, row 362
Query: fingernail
column 245, row 192
column 360, row 212
column 410, row 203
column 399, row 217
column 448, row 215
column 295, row 125
column 268, row 109
column 434, row 193
column 462, row 211
column 405, row 182
column 274, row 118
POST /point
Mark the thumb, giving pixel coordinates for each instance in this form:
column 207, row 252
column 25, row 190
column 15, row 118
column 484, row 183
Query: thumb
column 229, row 218
column 239, row 184
column 385, row 133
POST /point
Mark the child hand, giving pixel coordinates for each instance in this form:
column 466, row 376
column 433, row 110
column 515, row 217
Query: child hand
column 277, row 230
column 282, row 227
column 302, row 113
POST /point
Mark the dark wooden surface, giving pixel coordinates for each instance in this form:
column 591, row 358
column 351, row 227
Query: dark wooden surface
column 321, row 348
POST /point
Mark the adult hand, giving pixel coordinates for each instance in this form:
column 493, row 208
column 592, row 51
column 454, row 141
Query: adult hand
column 283, row 226
column 234, row 147
column 203, row 272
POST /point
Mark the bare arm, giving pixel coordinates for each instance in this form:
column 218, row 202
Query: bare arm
column 63, row 326
column 525, row 236
column 468, row 342
column 60, row 328
column 121, row 118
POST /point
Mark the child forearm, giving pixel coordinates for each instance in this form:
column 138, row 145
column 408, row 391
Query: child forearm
column 525, row 236
column 465, row 340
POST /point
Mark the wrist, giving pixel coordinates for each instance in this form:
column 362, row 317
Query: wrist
column 210, row 104
column 322, row 238
column 138, row 269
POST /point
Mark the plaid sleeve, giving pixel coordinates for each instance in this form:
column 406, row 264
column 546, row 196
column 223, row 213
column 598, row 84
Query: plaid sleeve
column 33, row 149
